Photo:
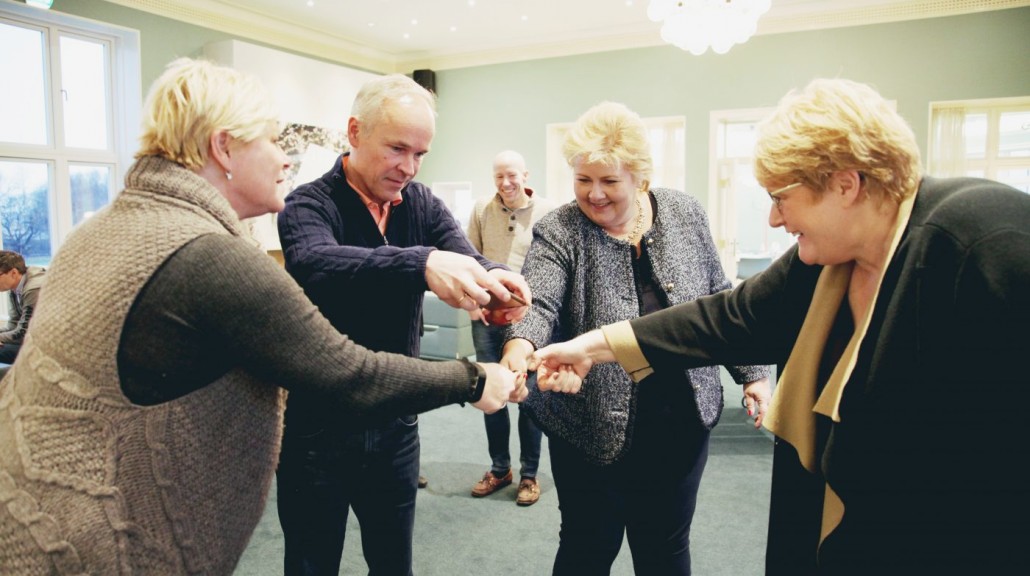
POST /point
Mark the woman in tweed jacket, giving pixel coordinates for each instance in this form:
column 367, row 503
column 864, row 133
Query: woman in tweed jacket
column 620, row 251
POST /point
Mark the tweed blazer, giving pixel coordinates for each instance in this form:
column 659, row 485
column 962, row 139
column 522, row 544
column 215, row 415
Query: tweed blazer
column 582, row 279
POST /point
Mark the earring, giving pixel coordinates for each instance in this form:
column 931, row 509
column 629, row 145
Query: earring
column 228, row 175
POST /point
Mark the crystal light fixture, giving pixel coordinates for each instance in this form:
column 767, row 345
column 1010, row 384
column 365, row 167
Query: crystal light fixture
column 694, row 25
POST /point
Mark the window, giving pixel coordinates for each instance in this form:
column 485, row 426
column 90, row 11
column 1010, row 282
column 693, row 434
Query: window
column 981, row 138
column 666, row 135
column 68, row 119
column 737, row 206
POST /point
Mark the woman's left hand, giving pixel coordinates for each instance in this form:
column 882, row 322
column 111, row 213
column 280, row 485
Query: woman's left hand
column 757, row 397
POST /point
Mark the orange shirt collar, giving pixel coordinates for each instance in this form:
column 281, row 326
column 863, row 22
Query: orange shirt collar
column 380, row 211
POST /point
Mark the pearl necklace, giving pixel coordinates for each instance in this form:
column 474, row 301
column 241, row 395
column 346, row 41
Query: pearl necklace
column 638, row 227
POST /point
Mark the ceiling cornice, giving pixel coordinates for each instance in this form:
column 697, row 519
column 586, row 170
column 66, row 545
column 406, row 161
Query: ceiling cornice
column 253, row 26
column 780, row 19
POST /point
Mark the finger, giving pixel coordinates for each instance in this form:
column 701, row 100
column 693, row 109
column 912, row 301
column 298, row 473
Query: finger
column 546, row 379
column 523, row 394
column 575, row 382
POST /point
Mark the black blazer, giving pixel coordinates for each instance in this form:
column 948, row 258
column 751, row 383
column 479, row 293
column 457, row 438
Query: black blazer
column 929, row 453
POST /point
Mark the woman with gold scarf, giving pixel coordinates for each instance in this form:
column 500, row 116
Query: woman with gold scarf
column 899, row 321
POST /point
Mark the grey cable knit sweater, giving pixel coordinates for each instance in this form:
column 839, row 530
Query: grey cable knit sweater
column 140, row 438
column 582, row 279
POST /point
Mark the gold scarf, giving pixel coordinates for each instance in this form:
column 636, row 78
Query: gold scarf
column 792, row 415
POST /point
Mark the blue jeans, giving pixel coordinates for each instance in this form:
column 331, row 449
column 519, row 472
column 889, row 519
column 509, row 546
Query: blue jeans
column 488, row 341
column 649, row 496
column 323, row 474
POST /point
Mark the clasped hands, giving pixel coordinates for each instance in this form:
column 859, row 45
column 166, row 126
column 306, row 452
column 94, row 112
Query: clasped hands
column 563, row 366
column 460, row 281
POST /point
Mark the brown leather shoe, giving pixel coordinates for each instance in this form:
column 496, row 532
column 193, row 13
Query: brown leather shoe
column 529, row 492
column 490, row 484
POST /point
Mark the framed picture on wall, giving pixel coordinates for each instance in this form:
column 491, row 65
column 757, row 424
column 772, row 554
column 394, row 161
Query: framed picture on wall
column 312, row 151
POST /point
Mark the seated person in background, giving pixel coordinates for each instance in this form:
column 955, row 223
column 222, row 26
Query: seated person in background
column 22, row 284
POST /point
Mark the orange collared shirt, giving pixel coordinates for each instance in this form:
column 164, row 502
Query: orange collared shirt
column 380, row 212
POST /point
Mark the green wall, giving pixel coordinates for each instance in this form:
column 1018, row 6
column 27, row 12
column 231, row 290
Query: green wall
column 489, row 108
column 161, row 39
column 485, row 109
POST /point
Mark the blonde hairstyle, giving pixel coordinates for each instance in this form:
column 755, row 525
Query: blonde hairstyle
column 833, row 125
column 369, row 107
column 612, row 135
column 194, row 98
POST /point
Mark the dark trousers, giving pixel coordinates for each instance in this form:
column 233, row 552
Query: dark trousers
column 374, row 472
column 488, row 341
column 649, row 496
column 8, row 352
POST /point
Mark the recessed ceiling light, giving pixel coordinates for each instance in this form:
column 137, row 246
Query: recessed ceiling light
column 629, row 2
column 311, row 3
column 472, row 2
column 406, row 35
column 454, row 28
column 414, row 22
column 371, row 24
column 524, row 17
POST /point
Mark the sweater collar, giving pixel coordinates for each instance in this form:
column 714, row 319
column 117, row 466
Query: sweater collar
column 157, row 175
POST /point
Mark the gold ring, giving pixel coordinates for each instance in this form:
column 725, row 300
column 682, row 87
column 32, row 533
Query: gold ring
column 463, row 297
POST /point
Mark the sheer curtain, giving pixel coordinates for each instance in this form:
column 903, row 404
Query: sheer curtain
column 947, row 143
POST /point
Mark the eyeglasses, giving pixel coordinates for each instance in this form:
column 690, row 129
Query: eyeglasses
column 775, row 194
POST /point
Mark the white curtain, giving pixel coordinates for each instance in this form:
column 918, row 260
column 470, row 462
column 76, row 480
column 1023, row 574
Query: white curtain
column 947, row 143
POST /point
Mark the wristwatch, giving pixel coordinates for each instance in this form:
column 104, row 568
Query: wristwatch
column 477, row 380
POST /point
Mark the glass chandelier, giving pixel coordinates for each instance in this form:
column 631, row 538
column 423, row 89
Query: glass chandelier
column 694, row 25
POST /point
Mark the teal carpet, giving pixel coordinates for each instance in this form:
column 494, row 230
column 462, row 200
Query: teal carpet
column 456, row 534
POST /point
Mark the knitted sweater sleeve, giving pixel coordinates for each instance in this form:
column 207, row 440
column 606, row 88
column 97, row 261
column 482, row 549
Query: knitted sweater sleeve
column 219, row 304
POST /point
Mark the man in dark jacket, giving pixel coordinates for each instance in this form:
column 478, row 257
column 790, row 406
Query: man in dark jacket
column 22, row 284
column 365, row 242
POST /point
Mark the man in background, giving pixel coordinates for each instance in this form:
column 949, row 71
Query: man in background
column 501, row 228
column 365, row 242
column 22, row 284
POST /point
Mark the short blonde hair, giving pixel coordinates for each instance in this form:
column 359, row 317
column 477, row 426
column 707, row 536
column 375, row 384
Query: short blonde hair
column 194, row 98
column 612, row 135
column 369, row 104
column 833, row 125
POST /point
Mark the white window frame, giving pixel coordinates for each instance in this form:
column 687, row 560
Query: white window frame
column 991, row 164
column 125, row 103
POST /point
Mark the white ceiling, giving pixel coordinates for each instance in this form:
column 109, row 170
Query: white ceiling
column 402, row 35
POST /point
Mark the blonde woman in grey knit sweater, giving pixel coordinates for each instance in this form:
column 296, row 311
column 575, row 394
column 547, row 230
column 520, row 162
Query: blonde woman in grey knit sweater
column 626, row 458
column 140, row 425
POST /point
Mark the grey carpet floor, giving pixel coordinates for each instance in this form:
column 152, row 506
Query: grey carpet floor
column 456, row 534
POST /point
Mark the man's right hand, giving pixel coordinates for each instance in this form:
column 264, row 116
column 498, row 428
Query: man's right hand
column 460, row 281
column 502, row 386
